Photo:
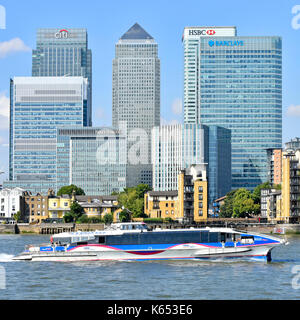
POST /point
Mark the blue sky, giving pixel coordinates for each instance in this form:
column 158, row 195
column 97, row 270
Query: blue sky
column 165, row 20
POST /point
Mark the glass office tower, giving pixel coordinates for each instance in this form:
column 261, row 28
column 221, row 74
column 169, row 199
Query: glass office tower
column 219, row 162
column 64, row 53
column 176, row 147
column 92, row 159
column 236, row 83
column 136, row 95
column 39, row 105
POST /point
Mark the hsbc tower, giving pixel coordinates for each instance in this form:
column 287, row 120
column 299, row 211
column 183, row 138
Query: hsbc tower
column 235, row 82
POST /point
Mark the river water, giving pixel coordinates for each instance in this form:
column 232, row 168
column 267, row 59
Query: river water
column 158, row 280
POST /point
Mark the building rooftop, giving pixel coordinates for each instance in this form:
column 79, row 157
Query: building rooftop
column 136, row 32
column 173, row 193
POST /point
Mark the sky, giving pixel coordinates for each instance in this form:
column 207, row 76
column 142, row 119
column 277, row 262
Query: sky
column 107, row 21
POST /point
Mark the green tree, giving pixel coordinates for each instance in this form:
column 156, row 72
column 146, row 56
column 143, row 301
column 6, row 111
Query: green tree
column 226, row 210
column 17, row 216
column 133, row 199
column 243, row 204
column 108, row 218
column 76, row 211
column 70, row 189
column 124, row 216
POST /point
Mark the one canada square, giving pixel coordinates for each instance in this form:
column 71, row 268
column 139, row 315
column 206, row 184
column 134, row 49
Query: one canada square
column 136, row 99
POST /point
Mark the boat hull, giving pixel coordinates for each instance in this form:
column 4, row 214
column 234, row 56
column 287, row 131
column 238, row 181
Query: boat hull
column 177, row 252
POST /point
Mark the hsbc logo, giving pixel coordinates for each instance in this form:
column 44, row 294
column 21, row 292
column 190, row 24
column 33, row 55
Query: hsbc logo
column 202, row 32
column 210, row 32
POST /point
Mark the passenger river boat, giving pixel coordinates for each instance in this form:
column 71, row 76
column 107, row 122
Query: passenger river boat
column 136, row 241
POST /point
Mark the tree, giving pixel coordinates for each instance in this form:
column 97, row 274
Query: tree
column 133, row 199
column 70, row 189
column 108, row 218
column 17, row 216
column 226, row 209
column 243, row 204
column 76, row 211
column 124, row 216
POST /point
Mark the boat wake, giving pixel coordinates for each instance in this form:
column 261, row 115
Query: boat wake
column 4, row 257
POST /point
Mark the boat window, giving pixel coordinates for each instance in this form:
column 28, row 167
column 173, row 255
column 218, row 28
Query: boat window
column 101, row 240
column 223, row 237
column 213, row 237
column 82, row 243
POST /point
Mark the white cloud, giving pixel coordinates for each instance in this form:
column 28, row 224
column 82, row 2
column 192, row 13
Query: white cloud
column 11, row 46
column 4, row 111
column 293, row 111
column 177, row 106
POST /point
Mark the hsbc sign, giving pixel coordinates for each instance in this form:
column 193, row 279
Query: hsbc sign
column 203, row 32
column 198, row 32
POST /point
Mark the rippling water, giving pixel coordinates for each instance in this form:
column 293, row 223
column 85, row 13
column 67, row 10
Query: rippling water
column 193, row 280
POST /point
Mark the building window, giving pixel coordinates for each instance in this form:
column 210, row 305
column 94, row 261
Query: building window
column 167, row 204
column 200, row 189
column 200, row 213
column 167, row 212
column 200, row 204
column 200, row 196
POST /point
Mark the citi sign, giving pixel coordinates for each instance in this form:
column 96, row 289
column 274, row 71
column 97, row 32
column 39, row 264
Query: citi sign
column 62, row 34
column 202, row 32
column 237, row 43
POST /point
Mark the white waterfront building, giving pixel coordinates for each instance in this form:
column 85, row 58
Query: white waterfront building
column 174, row 148
column 10, row 203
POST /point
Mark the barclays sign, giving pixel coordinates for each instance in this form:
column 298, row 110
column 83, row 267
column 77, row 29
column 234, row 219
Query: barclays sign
column 230, row 43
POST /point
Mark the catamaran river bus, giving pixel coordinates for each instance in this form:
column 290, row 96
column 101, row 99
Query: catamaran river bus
column 135, row 241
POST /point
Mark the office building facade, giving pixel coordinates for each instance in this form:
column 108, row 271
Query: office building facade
column 174, row 148
column 39, row 105
column 136, row 98
column 64, row 53
column 92, row 159
column 219, row 162
column 236, row 82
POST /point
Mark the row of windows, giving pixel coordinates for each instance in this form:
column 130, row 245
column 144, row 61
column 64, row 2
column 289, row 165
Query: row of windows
column 161, row 238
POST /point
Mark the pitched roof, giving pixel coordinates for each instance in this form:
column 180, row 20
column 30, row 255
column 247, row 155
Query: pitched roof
column 136, row 32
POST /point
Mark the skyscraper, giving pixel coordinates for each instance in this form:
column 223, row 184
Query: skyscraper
column 176, row 147
column 92, row 159
column 136, row 96
column 236, row 82
column 38, row 106
column 64, row 53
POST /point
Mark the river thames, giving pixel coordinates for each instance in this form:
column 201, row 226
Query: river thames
column 155, row 280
